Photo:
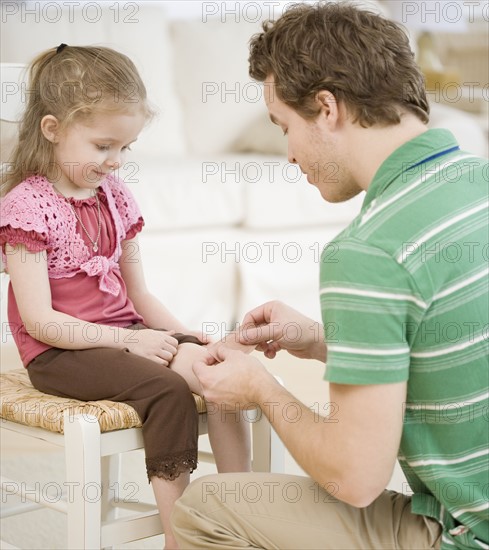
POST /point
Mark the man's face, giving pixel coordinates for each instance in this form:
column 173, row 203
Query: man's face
column 314, row 146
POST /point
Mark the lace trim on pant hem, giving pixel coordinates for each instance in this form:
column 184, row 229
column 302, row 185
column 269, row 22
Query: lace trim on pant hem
column 170, row 467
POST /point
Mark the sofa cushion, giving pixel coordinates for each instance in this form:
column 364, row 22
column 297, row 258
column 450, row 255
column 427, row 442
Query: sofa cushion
column 254, row 191
column 262, row 136
column 221, row 102
column 282, row 265
column 193, row 275
column 179, row 193
column 124, row 27
column 278, row 195
column 219, row 98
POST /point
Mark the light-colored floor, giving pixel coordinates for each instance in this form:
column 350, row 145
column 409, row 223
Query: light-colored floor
column 43, row 463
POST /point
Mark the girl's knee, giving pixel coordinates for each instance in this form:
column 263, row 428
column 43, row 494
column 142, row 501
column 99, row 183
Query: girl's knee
column 191, row 352
column 182, row 363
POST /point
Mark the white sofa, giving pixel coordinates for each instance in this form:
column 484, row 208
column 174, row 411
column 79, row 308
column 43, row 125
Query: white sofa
column 229, row 223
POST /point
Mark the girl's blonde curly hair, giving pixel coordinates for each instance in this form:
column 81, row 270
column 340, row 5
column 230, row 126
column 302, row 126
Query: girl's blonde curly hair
column 74, row 84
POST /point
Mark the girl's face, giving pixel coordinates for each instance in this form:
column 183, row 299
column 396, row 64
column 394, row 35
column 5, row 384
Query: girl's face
column 85, row 153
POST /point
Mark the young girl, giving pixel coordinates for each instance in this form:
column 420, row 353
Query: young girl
column 83, row 320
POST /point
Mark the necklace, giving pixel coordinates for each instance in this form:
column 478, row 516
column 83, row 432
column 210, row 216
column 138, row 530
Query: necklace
column 99, row 221
column 99, row 224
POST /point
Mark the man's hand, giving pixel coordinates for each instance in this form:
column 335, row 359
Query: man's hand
column 236, row 379
column 274, row 326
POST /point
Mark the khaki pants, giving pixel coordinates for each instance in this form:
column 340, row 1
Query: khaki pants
column 261, row 510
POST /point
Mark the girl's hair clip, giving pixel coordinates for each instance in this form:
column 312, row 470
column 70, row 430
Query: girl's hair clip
column 60, row 48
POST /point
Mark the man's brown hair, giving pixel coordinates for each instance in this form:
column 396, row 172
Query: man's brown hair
column 363, row 59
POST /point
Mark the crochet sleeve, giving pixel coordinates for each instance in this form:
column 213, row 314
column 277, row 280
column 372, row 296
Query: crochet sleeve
column 127, row 207
column 22, row 220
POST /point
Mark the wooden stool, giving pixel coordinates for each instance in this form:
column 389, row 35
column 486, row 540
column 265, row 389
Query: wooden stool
column 93, row 435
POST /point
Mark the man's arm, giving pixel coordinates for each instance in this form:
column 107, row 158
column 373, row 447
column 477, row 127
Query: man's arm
column 351, row 452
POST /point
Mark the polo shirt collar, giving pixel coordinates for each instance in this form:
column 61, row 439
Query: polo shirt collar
column 423, row 148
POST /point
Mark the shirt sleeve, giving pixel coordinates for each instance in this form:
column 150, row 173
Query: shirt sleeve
column 368, row 304
column 135, row 229
column 32, row 240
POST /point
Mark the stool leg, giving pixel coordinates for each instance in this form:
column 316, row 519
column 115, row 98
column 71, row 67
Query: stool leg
column 268, row 449
column 83, row 475
column 111, row 477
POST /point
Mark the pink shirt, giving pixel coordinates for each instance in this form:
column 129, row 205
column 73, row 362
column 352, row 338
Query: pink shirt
column 79, row 296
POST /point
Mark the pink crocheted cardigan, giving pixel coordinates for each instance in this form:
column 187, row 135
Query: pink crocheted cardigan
column 33, row 205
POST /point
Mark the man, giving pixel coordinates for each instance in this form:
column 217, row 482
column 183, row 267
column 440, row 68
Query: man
column 407, row 296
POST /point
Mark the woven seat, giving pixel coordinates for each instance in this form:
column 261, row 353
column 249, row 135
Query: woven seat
column 93, row 435
column 21, row 402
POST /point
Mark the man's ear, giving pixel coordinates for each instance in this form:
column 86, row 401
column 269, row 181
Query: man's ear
column 50, row 128
column 328, row 105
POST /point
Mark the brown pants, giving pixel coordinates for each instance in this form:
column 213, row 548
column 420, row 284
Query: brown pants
column 284, row 512
column 161, row 397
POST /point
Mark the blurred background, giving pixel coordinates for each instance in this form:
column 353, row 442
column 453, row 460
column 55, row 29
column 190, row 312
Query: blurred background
column 230, row 223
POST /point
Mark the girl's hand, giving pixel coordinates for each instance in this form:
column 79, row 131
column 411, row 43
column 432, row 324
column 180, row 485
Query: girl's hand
column 157, row 345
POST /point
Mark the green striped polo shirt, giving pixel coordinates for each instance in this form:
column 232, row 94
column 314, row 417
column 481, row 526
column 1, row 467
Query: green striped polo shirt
column 404, row 296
